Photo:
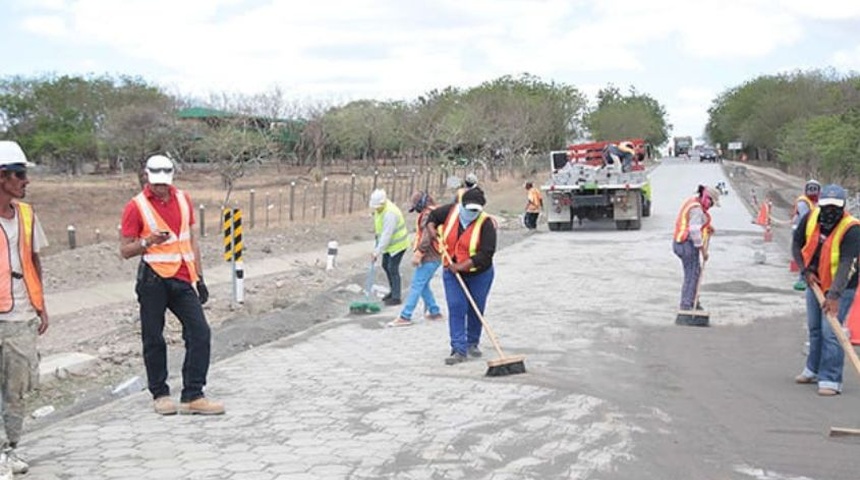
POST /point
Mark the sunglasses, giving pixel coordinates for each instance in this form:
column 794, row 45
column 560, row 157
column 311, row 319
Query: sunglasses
column 160, row 170
column 20, row 174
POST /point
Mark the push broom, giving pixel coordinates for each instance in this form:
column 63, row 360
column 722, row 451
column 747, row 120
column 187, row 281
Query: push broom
column 366, row 306
column 503, row 365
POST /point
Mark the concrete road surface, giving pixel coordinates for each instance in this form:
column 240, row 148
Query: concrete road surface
column 614, row 390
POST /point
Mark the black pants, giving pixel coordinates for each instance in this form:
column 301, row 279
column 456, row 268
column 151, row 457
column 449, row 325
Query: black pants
column 531, row 220
column 391, row 265
column 156, row 295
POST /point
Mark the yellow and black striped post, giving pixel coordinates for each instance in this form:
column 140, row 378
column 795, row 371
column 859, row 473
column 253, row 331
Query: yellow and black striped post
column 233, row 250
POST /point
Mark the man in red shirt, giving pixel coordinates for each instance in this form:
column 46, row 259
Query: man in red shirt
column 157, row 225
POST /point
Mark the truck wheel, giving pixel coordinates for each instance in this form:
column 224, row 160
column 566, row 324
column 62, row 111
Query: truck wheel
column 621, row 224
column 634, row 224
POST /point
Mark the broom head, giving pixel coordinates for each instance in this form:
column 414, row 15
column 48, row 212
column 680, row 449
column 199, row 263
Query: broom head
column 506, row 366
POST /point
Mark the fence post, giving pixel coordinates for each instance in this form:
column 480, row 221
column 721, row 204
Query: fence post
column 72, row 241
column 280, row 204
column 393, row 187
column 292, row 200
column 98, row 236
column 268, row 205
column 304, row 201
column 351, row 191
column 375, row 179
column 251, row 210
column 427, row 181
column 411, row 183
column 202, row 220
column 324, row 195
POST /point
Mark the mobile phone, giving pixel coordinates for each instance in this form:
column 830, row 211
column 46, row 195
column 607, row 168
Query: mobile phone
column 164, row 233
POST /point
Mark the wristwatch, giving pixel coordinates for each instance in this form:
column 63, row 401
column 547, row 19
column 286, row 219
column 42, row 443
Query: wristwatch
column 144, row 244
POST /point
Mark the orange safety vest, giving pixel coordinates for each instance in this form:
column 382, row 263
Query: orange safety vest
column 419, row 233
column 32, row 280
column 828, row 261
column 535, row 200
column 682, row 223
column 463, row 245
column 166, row 258
column 803, row 198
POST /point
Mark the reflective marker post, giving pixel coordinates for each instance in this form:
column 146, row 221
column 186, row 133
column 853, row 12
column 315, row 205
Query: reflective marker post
column 233, row 250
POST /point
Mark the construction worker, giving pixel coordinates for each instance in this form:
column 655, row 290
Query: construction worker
column 392, row 240
column 692, row 231
column 802, row 206
column 24, row 316
column 468, row 236
column 534, row 205
column 426, row 261
column 471, row 181
column 621, row 153
column 826, row 244
column 157, row 225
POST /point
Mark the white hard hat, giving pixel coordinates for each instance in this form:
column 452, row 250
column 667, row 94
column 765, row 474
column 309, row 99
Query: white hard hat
column 11, row 154
column 471, row 180
column 377, row 198
column 159, row 170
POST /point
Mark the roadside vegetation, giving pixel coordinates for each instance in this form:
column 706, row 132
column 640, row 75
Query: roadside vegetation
column 806, row 122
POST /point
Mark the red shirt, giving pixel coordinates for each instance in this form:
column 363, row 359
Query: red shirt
column 132, row 223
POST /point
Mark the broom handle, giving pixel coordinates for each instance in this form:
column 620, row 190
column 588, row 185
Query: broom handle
column 474, row 305
column 837, row 329
column 705, row 245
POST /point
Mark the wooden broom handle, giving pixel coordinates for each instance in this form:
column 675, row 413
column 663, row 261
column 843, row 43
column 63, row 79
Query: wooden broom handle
column 837, row 329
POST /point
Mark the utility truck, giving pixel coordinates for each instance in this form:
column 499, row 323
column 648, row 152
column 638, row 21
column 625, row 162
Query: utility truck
column 683, row 145
column 583, row 186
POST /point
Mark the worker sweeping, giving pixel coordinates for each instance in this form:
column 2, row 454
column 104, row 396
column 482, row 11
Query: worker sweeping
column 469, row 242
column 692, row 231
column 826, row 244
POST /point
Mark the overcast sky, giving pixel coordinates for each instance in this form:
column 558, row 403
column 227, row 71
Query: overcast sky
column 681, row 52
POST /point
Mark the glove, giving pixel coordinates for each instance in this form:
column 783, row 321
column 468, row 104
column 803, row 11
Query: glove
column 202, row 291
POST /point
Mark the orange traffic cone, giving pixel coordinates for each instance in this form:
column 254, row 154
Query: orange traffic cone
column 852, row 321
column 763, row 218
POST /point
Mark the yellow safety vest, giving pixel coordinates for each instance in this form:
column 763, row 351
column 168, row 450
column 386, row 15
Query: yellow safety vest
column 400, row 237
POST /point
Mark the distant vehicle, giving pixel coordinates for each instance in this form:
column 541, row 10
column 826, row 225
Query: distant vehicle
column 682, row 145
column 708, row 154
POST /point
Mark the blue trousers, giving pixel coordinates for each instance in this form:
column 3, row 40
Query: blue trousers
column 391, row 265
column 689, row 255
column 420, row 288
column 464, row 327
column 156, row 295
column 826, row 358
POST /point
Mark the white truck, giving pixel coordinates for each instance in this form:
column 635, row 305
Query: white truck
column 582, row 187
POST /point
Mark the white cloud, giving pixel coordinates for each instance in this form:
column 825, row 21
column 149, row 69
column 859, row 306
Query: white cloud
column 46, row 25
column 848, row 59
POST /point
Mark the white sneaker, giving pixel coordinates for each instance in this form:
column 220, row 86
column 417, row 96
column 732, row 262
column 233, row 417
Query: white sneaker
column 16, row 462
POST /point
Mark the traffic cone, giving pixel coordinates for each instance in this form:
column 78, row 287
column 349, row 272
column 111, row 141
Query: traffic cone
column 763, row 218
column 852, row 321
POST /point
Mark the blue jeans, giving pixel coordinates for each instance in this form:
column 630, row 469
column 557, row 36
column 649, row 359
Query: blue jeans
column 421, row 289
column 826, row 358
column 391, row 265
column 156, row 295
column 689, row 255
column 464, row 327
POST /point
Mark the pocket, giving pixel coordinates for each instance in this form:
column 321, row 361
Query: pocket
column 146, row 276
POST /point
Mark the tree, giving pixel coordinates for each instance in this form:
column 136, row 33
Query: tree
column 636, row 115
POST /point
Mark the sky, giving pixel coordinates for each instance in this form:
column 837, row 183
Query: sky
column 683, row 53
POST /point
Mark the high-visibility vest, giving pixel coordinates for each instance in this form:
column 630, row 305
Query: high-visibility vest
column 400, row 238
column 828, row 260
column 24, row 212
column 462, row 246
column 166, row 258
column 803, row 198
column 535, row 201
column 419, row 232
column 682, row 223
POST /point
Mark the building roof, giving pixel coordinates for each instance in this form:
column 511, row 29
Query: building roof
column 201, row 112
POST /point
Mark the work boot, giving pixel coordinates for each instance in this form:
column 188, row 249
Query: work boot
column 434, row 316
column 18, row 464
column 803, row 379
column 455, row 358
column 392, row 301
column 201, row 406
column 164, row 406
column 474, row 351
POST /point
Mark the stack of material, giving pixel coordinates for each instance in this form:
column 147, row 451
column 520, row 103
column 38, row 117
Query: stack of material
column 579, row 174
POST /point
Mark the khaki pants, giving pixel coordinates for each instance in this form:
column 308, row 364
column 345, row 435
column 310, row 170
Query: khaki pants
column 19, row 372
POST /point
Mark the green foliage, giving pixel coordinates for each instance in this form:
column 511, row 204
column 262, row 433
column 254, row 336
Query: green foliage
column 636, row 115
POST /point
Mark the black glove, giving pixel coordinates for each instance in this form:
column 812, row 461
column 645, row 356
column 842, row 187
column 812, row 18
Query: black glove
column 202, row 291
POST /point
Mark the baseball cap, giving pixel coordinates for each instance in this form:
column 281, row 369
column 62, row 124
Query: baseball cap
column 12, row 157
column 474, row 199
column 419, row 201
column 832, row 195
column 159, row 170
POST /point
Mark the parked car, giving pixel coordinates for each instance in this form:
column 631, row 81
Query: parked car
column 708, row 154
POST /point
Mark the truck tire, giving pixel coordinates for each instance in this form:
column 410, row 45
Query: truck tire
column 634, row 224
column 621, row 224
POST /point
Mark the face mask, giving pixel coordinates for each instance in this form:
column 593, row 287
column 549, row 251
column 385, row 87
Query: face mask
column 830, row 216
column 468, row 216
